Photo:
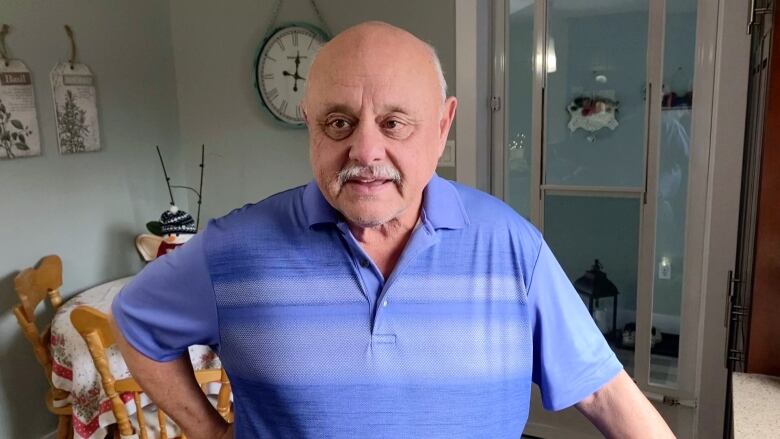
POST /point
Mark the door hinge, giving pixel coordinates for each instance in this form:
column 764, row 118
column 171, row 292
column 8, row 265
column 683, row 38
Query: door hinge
column 671, row 401
column 495, row 103
column 674, row 401
column 755, row 11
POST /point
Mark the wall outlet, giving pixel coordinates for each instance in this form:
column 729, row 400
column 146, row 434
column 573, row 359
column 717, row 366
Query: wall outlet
column 665, row 269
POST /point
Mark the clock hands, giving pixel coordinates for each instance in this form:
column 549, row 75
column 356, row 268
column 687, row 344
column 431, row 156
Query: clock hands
column 295, row 75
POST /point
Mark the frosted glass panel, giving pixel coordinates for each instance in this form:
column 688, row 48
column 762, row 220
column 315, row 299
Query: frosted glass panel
column 672, row 190
column 580, row 229
column 595, row 107
column 519, row 91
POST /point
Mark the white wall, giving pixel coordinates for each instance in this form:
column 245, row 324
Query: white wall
column 248, row 155
column 84, row 207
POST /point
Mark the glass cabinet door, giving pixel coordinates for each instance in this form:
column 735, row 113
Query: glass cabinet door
column 518, row 149
column 595, row 94
column 599, row 118
column 594, row 152
column 672, row 189
column 605, row 147
column 581, row 229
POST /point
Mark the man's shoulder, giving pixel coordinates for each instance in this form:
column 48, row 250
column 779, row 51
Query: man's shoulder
column 484, row 210
column 282, row 209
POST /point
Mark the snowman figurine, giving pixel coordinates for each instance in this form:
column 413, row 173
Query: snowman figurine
column 177, row 227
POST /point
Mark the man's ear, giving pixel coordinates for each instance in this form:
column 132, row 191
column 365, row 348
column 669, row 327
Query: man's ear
column 447, row 116
column 303, row 111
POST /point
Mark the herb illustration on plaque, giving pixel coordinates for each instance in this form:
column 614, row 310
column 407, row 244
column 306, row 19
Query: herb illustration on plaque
column 75, row 104
column 19, row 136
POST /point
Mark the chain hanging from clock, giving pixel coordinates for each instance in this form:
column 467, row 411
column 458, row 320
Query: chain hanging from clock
column 282, row 65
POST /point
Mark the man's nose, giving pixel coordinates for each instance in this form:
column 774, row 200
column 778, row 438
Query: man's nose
column 368, row 144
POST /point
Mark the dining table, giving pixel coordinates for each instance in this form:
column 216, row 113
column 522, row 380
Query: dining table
column 74, row 371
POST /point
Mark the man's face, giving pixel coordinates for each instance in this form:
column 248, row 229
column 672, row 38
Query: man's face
column 377, row 126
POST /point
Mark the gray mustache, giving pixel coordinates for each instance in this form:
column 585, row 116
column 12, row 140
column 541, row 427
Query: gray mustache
column 379, row 172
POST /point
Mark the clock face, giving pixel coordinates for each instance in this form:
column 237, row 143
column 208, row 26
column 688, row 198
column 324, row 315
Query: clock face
column 283, row 68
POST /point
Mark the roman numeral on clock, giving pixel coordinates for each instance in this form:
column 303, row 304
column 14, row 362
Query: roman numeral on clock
column 283, row 107
column 272, row 94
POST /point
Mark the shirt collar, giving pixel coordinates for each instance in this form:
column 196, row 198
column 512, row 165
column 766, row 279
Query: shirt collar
column 316, row 207
column 442, row 206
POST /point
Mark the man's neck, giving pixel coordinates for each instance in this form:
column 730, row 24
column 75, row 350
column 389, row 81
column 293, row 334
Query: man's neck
column 385, row 243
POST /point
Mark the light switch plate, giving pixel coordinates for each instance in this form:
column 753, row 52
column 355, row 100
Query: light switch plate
column 447, row 158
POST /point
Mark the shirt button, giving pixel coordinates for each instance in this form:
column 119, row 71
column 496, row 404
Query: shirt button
column 364, row 263
column 384, row 303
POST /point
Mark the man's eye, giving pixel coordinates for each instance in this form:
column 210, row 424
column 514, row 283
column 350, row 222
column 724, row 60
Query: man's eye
column 396, row 129
column 338, row 128
column 339, row 124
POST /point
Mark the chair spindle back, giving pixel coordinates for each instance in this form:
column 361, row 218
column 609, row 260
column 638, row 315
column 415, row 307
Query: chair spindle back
column 94, row 327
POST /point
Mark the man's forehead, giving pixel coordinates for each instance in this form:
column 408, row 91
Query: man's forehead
column 371, row 72
column 391, row 94
column 355, row 108
column 378, row 65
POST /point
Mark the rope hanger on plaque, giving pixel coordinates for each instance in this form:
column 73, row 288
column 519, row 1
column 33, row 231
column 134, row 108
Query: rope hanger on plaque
column 19, row 135
column 75, row 104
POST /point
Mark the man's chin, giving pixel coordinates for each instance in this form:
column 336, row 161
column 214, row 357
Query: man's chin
column 369, row 217
column 369, row 221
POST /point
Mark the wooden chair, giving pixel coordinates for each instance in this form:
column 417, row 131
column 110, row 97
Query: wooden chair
column 94, row 328
column 147, row 246
column 33, row 285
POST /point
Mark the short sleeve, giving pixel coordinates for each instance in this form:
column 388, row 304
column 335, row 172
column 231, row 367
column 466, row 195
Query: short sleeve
column 170, row 304
column 571, row 358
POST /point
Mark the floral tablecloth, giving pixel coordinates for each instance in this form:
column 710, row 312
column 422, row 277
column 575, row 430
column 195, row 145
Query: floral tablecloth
column 74, row 371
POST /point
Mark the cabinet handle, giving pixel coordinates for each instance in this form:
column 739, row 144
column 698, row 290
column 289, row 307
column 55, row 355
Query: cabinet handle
column 729, row 296
column 726, row 313
column 649, row 108
column 728, row 319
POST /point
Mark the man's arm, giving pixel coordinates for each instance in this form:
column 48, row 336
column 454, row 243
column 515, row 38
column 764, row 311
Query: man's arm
column 172, row 386
column 620, row 410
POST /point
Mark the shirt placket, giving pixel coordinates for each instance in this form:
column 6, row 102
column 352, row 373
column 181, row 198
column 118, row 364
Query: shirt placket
column 369, row 276
column 375, row 287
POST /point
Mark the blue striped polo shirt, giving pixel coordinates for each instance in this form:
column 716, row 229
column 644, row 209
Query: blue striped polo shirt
column 318, row 344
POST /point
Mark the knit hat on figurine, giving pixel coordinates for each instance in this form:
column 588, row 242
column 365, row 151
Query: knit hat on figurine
column 175, row 220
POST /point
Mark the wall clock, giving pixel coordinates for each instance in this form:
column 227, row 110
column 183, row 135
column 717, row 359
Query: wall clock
column 282, row 69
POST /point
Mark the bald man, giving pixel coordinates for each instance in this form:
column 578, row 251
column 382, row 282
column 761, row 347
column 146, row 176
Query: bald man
column 379, row 300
